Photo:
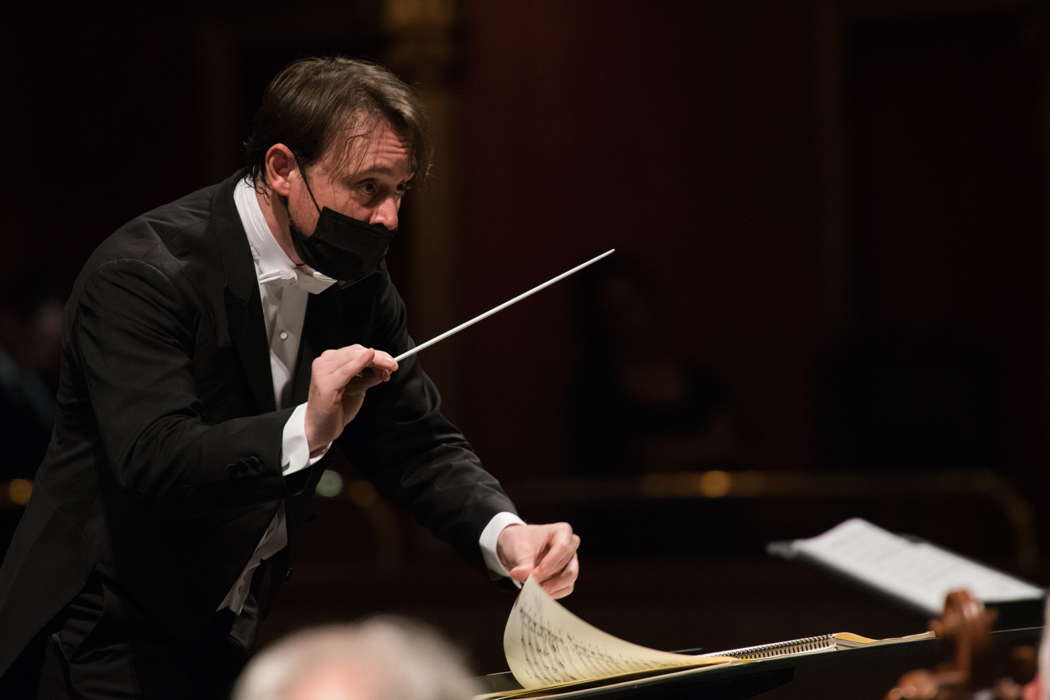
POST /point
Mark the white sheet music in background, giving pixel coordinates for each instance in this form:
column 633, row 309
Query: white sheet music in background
column 546, row 644
column 915, row 571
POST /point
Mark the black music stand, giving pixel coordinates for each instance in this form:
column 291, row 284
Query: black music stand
column 860, row 672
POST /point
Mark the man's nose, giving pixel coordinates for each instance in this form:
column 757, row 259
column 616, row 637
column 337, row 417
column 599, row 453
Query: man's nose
column 385, row 214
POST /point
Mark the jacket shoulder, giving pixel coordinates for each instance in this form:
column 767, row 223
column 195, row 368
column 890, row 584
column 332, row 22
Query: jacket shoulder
column 174, row 237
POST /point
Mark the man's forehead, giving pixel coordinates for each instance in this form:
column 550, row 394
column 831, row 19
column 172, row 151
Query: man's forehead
column 370, row 145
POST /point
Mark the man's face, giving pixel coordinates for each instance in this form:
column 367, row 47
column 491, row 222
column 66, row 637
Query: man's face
column 363, row 174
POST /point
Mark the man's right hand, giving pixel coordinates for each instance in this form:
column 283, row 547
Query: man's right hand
column 338, row 382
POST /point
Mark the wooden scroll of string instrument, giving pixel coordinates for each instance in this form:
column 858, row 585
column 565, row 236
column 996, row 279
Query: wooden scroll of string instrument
column 977, row 669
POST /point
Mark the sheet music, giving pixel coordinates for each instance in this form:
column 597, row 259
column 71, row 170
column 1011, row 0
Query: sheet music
column 545, row 644
column 915, row 571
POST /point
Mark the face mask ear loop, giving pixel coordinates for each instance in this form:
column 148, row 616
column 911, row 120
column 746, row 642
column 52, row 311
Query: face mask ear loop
column 302, row 172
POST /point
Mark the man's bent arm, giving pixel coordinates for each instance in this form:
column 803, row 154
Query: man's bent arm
column 412, row 452
column 133, row 335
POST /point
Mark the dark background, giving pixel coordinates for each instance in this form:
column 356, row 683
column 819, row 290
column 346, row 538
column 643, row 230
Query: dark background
column 830, row 286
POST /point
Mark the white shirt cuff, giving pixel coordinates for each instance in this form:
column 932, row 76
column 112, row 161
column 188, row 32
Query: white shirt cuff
column 490, row 538
column 295, row 450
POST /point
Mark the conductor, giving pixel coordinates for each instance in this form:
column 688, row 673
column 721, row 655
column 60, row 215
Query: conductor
column 215, row 351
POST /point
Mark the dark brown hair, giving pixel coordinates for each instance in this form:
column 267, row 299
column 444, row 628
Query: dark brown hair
column 313, row 99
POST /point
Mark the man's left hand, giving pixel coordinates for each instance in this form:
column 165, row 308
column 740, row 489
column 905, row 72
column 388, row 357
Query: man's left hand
column 546, row 552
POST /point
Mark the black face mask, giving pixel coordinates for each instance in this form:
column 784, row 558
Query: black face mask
column 342, row 247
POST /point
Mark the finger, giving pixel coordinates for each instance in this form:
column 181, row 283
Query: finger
column 359, row 374
column 520, row 573
column 553, row 589
column 334, row 357
column 561, row 549
column 562, row 593
column 377, row 370
column 384, row 361
column 349, row 366
column 565, row 577
column 366, row 379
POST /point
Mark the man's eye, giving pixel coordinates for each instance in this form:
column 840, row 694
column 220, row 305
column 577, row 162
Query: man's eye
column 370, row 188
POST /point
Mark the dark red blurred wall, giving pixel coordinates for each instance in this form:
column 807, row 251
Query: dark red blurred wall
column 683, row 135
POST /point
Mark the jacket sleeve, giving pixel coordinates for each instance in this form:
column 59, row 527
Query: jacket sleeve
column 413, row 454
column 133, row 337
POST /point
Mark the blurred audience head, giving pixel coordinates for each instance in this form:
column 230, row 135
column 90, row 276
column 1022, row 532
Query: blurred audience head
column 31, row 327
column 383, row 658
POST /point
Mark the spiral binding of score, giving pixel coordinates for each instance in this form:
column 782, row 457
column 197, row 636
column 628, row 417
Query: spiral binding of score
column 792, row 646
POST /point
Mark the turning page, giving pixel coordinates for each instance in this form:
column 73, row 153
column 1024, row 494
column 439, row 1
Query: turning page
column 553, row 653
column 547, row 645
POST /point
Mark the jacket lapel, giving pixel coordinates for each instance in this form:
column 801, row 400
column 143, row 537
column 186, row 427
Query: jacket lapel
column 322, row 330
column 243, row 304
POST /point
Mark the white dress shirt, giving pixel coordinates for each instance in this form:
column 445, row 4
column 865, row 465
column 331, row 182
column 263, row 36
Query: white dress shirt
column 284, row 289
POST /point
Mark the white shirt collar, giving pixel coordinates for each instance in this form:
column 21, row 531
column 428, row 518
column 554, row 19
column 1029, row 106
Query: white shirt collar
column 271, row 262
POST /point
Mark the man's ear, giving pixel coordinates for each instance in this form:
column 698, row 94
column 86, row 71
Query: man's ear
column 281, row 166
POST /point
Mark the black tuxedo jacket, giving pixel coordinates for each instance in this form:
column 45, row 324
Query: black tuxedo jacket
column 163, row 470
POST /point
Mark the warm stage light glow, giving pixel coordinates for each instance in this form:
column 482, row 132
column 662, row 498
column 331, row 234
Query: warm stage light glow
column 19, row 491
column 714, row 484
column 362, row 493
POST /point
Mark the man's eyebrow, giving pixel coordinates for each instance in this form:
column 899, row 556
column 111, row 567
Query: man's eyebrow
column 375, row 170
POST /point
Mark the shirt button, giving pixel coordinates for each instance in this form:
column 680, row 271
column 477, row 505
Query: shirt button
column 283, row 335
